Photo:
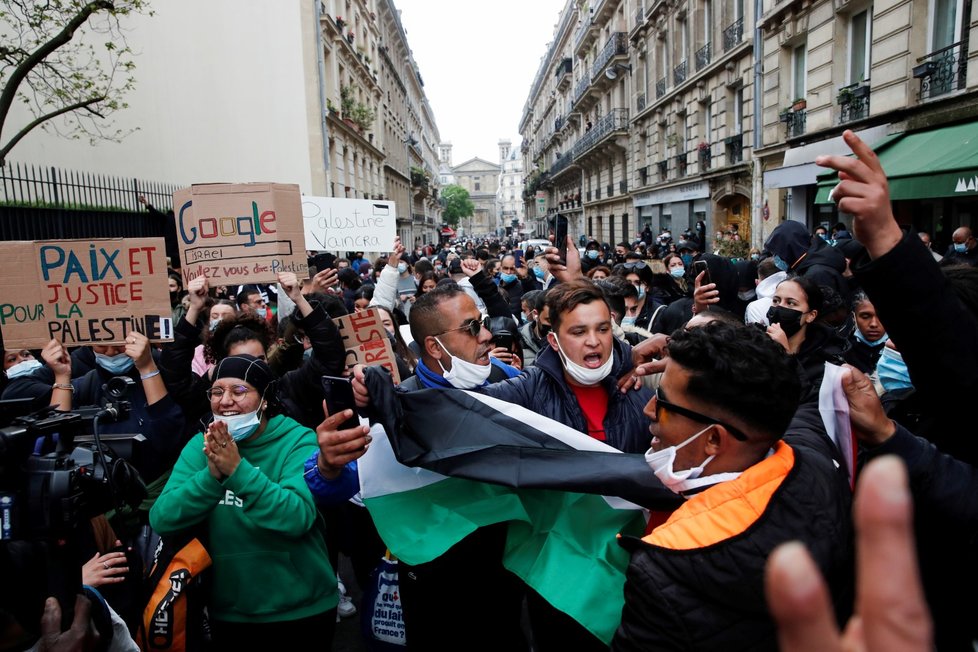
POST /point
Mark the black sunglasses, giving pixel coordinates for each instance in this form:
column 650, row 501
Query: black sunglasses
column 661, row 402
column 475, row 327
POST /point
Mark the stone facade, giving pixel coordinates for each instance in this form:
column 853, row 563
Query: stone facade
column 481, row 179
column 662, row 113
column 509, row 196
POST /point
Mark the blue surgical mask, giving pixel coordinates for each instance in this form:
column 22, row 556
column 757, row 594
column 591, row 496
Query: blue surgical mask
column 114, row 364
column 262, row 312
column 641, row 291
column 628, row 321
column 781, row 264
column 401, row 268
column 539, row 273
column 213, row 324
column 687, row 259
column 22, row 368
column 507, row 278
column 755, row 256
column 677, row 272
column 892, row 370
column 307, row 353
column 862, row 338
column 592, row 254
column 241, row 426
column 960, row 248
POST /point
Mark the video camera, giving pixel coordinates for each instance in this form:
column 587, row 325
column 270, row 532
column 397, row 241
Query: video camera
column 54, row 477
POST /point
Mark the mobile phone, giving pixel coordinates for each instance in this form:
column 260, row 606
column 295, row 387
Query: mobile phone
column 560, row 237
column 339, row 396
column 518, row 255
column 701, row 266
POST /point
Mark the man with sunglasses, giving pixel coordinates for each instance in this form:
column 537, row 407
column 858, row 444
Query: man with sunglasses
column 719, row 422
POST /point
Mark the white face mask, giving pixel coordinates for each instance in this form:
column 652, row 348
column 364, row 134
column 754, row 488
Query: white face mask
column 464, row 375
column 241, row 426
column 584, row 375
column 22, row 368
column 681, row 481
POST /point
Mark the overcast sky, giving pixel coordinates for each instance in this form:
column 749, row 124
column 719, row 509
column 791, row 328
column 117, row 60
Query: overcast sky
column 478, row 61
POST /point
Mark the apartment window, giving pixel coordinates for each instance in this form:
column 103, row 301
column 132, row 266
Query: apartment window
column 707, row 120
column 477, row 186
column 738, row 111
column 860, row 30
column 946, row 28
column 798, row 71
column 707, row 21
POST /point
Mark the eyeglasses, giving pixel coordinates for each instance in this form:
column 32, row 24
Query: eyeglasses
column 475, row 327
column 661, row 402
column 237, row 392
column 638, row 264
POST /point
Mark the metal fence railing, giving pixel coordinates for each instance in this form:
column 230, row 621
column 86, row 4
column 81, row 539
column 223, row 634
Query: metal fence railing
column 52, row 187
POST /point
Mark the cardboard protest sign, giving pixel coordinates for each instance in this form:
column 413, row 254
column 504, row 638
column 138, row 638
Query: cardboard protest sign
column 83, row 292
column 365, row 340
column 333, row 224
column 236, row 233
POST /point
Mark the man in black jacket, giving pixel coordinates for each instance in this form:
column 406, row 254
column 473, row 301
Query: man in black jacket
column 794, row 251
column 727, row 396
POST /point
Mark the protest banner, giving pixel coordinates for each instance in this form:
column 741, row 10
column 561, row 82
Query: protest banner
column 83, row 292
column 237, row 233
column 334, row 224
column 366, row 342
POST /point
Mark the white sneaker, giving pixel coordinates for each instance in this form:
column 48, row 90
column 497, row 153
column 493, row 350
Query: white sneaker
column 345, row 608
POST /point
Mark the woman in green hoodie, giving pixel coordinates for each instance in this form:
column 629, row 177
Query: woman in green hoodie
column 242, row 479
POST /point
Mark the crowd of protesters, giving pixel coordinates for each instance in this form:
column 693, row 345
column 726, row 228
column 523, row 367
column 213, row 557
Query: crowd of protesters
column 719, row 371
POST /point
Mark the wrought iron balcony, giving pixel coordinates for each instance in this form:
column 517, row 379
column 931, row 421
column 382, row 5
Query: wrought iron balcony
column 943, row 71
column 682, row 164
column 564, row 67
column 622, row 187
column 679, row 73
column 705, row 155
column 853, row 102
column 615, row 120
column 703, row 57
column 735, row 149
column 639, row 17
column 617, row 45
column 640, row 102
column 733, row 34
column 597, row 192
column 611, row 189
column 663, row 170
column 660, row 88
column 581, row 88
column 795, row 121
column 561, row 164
column 582, row 32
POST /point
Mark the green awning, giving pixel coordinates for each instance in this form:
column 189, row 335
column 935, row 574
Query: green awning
column 924, row 164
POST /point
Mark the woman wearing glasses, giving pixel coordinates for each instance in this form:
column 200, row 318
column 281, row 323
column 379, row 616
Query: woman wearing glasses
column 639, row 311
column 242, row 480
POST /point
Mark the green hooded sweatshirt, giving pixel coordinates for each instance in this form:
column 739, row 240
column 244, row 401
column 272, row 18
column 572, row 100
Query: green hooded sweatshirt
column 270, row 561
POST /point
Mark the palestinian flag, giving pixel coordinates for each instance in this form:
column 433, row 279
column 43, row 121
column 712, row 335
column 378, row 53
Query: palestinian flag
column 561, row 541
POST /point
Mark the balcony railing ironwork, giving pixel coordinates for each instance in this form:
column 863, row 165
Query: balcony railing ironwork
column 660, row 88
column 853, row 102
column 679, row 73
column 735, row 149
column 581, row 88
column 623, row 187
column 705, row 155
column 943, row 71
column 617, row 45
column 614, row 120
column 582, row 32
column 639, row 17
column 795, row 120
column 564, row 67
column 733, row 34
column 682, row 164
column 703, row 57
column 561, row 164
column 640, row 102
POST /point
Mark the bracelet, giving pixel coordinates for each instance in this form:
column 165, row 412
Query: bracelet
column 67, row 386
column 149, row 375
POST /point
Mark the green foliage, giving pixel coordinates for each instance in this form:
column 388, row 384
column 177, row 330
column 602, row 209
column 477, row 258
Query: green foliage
column 733, row 248
column 363, row 115
column 456, row 203
column 347, row 101
column 69, row 62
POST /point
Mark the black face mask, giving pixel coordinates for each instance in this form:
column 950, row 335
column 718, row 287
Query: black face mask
column 787, row 318
column 174, row 298
column 542, row 329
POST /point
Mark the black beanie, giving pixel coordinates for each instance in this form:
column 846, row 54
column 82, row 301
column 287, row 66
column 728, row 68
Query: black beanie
column 248, row 368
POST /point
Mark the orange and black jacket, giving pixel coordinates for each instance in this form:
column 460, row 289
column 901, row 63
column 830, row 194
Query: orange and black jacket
column 696, row 582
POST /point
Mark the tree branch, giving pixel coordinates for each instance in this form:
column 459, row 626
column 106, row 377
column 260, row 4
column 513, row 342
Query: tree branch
column 54, row 114
column 20, row 72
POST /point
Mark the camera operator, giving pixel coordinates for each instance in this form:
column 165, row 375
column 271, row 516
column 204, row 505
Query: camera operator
column 153, row 413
